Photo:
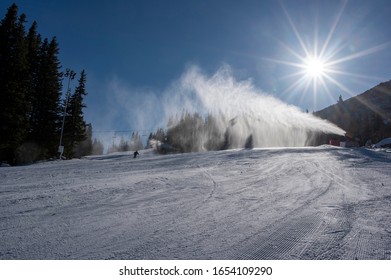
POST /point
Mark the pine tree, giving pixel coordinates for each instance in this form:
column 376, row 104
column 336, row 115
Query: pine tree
column 13, row 84
column 75, row 126
column 34, row 44
column 149, row 143
column 30, row 93
column 97, row 147
column 47, row 110
column 135, row 142
column 123, row 145
column 84, row 148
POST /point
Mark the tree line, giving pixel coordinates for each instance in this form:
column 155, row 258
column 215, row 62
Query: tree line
column 366, row 117
column 31, row 100
column 192, row 132
column 134, row 144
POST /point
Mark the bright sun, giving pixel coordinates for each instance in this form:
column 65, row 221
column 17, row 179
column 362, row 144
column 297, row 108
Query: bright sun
column 318, row 65
column 314, row 67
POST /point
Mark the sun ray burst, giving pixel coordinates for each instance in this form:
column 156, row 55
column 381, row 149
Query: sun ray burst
column 318, row 67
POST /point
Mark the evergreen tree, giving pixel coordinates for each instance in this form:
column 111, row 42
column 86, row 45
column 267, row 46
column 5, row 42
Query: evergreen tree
column 123, row 145
column 88, row 142
column 84, row 148
column 97, row 147
column 160, row 135
column 30, row 94
column 135, row 142
column 13, row 84
column 150, row 138
column 75, row 126
column 47, row 109
column 34, row 44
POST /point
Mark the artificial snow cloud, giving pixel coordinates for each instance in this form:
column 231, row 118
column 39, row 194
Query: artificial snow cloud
column 241, row 112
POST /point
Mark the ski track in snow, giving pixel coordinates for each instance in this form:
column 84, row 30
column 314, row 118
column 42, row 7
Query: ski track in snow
column 292, row 203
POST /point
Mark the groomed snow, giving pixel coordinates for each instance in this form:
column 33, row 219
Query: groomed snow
column 297, row 203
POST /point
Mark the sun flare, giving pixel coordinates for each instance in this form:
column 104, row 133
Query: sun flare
column 319, row 67
column 314, row 67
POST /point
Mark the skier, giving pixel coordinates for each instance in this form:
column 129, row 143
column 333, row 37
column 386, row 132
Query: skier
column 135, row 154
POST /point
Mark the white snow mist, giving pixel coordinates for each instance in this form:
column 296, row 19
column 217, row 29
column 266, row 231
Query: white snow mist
column 241, row 112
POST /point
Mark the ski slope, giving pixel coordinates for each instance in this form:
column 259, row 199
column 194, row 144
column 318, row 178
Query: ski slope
column 292, row 203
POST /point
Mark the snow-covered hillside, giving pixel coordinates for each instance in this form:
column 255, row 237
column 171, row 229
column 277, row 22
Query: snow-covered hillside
column 297, row 203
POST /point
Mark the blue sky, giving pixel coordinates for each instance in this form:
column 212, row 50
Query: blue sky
column 133, row 51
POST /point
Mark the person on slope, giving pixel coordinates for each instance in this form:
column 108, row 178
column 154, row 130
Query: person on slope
column 135, row 154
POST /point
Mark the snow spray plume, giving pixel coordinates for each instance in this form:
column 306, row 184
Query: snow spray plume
column 242, row 115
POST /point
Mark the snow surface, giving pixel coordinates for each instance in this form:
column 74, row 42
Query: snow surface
column 292, row 203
